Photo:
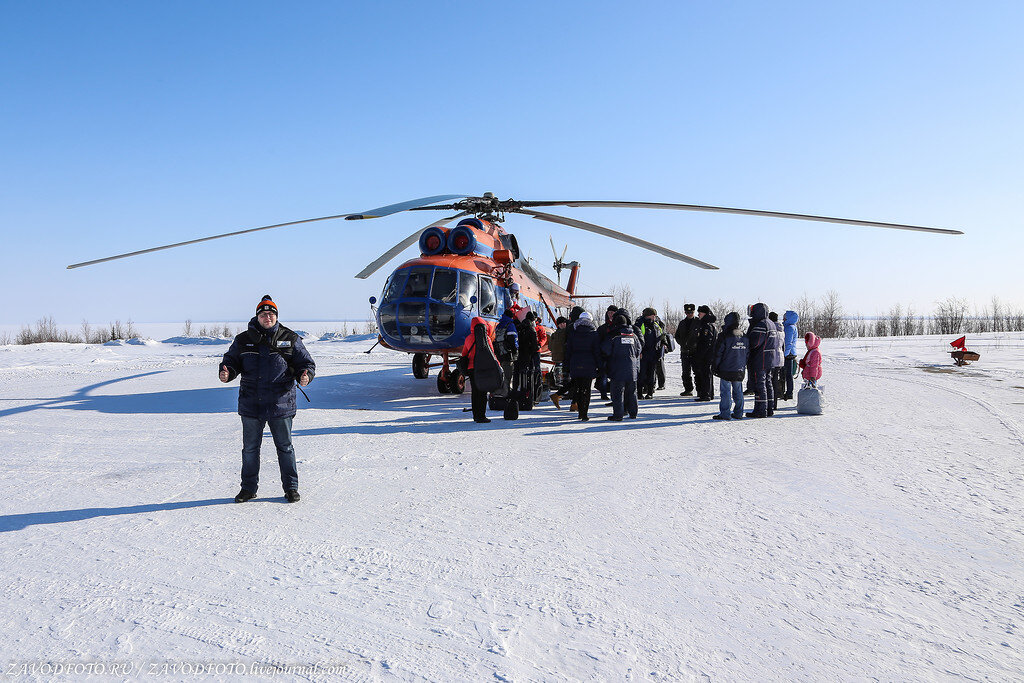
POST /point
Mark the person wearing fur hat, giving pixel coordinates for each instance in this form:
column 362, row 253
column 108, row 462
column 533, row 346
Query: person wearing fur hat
column 270, row 359
column 703, row 347
column 650, row 332
column 685, row 338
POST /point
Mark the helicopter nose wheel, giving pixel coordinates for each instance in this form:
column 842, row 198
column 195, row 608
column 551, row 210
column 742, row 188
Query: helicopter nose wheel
column 421, row 365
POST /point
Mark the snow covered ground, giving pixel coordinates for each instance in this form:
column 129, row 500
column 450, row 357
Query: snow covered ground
column 882, row 540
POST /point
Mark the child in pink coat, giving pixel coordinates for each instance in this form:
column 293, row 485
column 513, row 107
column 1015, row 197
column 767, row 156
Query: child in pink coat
column 811, row 362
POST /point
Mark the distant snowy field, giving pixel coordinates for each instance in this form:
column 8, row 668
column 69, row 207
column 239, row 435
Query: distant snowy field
column 884, row 539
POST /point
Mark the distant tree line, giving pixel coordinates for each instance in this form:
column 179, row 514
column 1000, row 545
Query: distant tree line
column 826, row 317
column 47, row 330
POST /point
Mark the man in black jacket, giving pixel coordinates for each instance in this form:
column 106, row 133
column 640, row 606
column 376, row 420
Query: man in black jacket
column 270, row 359
column 684, row 335
column 703, row 349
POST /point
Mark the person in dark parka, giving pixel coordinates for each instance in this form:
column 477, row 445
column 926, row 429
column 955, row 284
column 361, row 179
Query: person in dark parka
column 650, row 332
column 270, row 359
column 730, row 363
column 583, row 354
column 684, row 337
column 760, row 336
column 603, row 330
column 704, row 346
column 621, row 351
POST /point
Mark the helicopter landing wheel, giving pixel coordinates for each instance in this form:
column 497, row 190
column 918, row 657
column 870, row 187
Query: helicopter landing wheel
column 456, row 382
column 420, row 365
column 442, row 384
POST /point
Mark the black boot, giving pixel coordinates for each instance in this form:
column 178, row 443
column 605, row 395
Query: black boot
column 292, row 495
column 245, row 495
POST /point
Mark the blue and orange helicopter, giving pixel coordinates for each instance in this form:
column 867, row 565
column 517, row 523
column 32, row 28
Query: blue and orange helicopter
column 469, row 270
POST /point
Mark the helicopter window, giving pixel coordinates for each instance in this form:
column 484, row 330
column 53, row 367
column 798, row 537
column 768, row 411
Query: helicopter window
column 487, row 301
column 442, row 321
column 387, row 321
column 418, row 283
column 445, row 286
column 394, row 286
column 467, row 289
column 412, row 313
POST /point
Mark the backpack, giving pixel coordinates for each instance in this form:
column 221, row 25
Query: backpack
column 487, row 373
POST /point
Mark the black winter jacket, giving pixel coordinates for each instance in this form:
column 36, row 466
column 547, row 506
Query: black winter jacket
column 704, row 336
column 269, row 362
column 760, row 335
column 583, row 350
column 685, row 335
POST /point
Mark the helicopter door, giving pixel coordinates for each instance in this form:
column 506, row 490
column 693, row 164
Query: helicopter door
column 488, row 303
column 443, row 292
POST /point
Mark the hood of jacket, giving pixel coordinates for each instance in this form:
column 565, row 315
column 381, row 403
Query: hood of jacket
column 758, row 312
column 709, row 318
column 790, row 318
column 812, row 340
column 584, row 321
column 732, row 323
column 477, row 320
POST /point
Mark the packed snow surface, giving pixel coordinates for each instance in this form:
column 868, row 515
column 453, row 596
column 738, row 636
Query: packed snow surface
column 883, row 539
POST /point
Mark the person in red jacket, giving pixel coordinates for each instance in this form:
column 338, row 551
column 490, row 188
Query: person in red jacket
column 811, row 362
column 478, row 398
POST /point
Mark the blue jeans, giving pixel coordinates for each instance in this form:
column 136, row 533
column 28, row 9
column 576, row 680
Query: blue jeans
column 730, row 390
column 252, row 437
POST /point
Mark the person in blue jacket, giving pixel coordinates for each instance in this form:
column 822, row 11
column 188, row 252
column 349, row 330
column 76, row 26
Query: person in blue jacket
column 729, row 363
column 583, row 356
column 789, row 321
column 761, row 336
column 506, row 348
column 621, row 352
column 270, row 359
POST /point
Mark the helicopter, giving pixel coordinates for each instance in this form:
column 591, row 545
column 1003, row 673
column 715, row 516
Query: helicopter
column 476, row 267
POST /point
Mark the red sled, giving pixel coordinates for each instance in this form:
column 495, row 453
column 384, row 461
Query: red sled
column 963, row 356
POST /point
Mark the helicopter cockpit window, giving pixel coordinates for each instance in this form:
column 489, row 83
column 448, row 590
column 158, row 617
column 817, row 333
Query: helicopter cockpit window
column 467, row 289
column 418, row 283
column 488, row 304
column 393, row 288
column 445, row 287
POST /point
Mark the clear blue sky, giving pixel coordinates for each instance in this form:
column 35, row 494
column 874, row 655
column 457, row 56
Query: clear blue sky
column 125, row 125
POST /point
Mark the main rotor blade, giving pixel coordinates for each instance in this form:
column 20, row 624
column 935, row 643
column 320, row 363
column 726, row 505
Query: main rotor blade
column 403, row 206
column 205, row 239
column 402, row 246
column 614, row 234
column 373, row 213
column 745, row 212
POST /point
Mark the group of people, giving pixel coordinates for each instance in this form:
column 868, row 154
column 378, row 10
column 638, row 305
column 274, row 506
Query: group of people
column 765, row 354
column 624, row 359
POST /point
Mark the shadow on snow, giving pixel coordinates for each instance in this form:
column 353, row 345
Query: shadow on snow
column 21, row 521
